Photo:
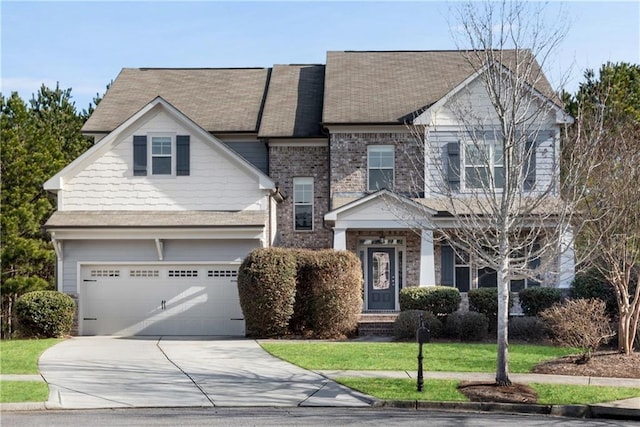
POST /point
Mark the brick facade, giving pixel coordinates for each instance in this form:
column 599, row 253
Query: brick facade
column 286, row 163
column 349, row 162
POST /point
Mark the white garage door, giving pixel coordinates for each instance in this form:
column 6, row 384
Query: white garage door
column 160, row 300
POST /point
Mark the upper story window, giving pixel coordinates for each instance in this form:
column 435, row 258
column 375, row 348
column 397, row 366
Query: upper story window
column 161, row 155
column 303, row 204
column 380, row 165
column 483, row 165
column 170, row 155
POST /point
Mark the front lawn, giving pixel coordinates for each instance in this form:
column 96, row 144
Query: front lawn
column 23, row 391
column 443, row 357
column 446, row 391
column 21, row 356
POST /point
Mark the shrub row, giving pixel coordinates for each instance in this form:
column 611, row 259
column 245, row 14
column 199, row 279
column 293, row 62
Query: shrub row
column 314, row 293
column 439, row 300
column 45, row 314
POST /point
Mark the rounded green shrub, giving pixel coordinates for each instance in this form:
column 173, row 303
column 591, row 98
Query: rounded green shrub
column 527, row 328
column 451, row 327
column 535, row 300
column 473, row 326
column 267, row 288
column 329, row 293
column 406, row 324
column 439, row 300
column 45, row 314
column 485, row 301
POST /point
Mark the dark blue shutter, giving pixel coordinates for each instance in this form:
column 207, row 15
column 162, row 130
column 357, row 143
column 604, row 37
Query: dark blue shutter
column 453, row 167
column 139, row 155
column 446, row 265
column 530, row 153
column 182, row 155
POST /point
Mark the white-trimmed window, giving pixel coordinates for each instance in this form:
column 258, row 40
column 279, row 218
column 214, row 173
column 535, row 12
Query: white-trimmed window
column 380, row 167
column 161, row 155
column 303, row 204
column 481, row 162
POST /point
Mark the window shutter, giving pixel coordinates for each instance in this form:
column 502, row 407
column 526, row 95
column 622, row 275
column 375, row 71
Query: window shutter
column 139, row 155
column 446, row 265
column 182, row 155
column 453, row 167
column 530, row 178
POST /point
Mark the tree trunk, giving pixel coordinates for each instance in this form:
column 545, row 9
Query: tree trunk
column 502, row 371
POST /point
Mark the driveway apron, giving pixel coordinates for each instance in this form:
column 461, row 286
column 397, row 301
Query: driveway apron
column 112, row 372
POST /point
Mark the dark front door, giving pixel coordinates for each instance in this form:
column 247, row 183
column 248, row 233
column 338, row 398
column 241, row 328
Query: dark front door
column 381, row 280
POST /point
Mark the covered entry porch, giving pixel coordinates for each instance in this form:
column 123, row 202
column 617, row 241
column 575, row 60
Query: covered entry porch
column 393, row 255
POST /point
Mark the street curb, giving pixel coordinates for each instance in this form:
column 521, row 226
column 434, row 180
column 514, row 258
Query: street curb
column 571, row 411
column 22, row 406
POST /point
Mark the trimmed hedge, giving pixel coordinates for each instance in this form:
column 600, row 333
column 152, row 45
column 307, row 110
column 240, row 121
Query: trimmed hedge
column 267, row 288
column 527, row 328
column 45, row 314
column 439, row 300
column 467, row 326
column 406, row 325
column 329, row 293
column 535, row 300
column 485, row 301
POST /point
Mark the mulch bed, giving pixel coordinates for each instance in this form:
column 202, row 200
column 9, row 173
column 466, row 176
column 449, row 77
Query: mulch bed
column 478, row 391
column 602, row 364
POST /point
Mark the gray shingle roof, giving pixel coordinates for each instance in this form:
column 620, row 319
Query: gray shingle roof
column 216, row 99
column 294, row 102
column 102, row 219
column 389, row 87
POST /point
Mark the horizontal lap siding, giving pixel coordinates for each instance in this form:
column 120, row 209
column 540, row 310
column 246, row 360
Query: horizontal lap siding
column 215, row 181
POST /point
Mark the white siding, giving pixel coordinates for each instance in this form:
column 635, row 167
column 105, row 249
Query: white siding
column 129, row 251
column 216, row 182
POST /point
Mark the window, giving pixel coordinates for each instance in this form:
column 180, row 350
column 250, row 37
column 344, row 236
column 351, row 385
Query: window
column 481, row 162
column 455, row 270
column 303, row 204
column 380, row 160
column 161, row 158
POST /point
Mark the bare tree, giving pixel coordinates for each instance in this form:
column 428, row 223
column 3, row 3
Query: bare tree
column 610, row 238
column 490, row 157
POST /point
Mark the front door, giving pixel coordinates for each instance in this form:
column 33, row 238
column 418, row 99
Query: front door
column 381, row 280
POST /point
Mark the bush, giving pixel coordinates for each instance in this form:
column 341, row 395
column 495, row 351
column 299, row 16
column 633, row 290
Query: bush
column 535, row 300
column 439, row 300
column 591, row 284
column 406, row 325
column 451, row 327
column 579, row 323
column 527, row 328
column 45, row 314
column 267, row 287
column 485, row 301
column 474, row 326
column 329, row 293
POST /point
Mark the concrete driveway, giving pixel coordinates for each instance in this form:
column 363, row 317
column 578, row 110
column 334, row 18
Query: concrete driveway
column 115, row 372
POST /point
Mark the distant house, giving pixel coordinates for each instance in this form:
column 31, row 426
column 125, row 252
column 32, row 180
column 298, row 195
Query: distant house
column 194, row 168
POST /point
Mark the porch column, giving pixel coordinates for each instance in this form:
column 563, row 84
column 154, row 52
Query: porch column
column 340, row 239
column 567, row 260
column 427, row 262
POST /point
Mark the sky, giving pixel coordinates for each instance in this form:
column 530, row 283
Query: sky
column 83, row 45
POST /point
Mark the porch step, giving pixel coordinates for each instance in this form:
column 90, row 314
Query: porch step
column 376, row 324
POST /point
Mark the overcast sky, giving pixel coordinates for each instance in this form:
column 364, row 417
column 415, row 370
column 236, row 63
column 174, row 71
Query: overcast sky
column 84, row 45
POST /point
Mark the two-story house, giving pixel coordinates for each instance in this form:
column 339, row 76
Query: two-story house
column 193, row 168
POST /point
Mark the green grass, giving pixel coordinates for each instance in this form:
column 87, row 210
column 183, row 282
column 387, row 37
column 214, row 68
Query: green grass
column 21, row 356
column 446, row 391
column 23, row 391
column 452, row 357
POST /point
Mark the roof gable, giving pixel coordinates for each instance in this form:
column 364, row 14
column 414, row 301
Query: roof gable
column 57, row 181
